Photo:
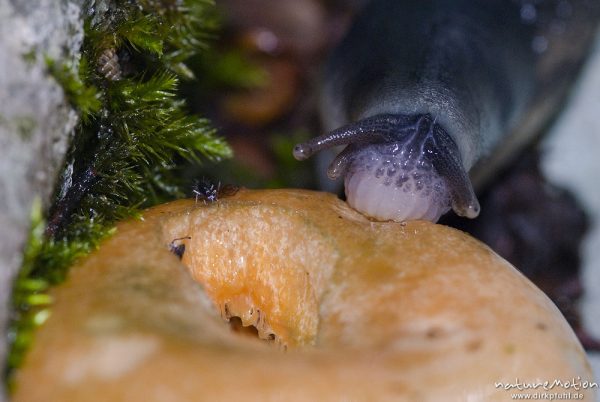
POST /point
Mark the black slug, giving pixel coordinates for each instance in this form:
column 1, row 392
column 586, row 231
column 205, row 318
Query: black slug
column 425, row 92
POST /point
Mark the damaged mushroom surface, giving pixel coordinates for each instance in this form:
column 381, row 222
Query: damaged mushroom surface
column 343, row 309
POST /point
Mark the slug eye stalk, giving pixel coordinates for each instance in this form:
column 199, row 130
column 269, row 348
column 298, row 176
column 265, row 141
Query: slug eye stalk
column 381, row 128
column 398, row 167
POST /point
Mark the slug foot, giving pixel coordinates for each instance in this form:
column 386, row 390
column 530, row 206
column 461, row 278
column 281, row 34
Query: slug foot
column 399, row 168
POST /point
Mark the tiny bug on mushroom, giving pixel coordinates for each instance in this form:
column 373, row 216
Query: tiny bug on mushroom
column 208, row 192
column 178, row 249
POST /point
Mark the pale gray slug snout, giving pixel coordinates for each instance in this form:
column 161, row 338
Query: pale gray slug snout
column 398, row 168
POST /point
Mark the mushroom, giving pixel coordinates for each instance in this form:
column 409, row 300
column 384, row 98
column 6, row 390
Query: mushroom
column 338, row 308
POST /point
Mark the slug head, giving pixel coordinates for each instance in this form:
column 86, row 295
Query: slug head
column 398, row 167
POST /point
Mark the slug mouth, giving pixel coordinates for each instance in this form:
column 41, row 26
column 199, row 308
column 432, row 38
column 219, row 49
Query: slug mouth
column 398, row 167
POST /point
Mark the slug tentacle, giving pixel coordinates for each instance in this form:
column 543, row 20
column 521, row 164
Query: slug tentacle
column 445, row 157
column 368, row 131
column 399, row 167
column 340, row 164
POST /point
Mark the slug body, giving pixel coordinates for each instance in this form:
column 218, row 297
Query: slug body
column 420, row 91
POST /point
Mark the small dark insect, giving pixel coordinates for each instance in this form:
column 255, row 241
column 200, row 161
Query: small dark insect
column 208, row 192
column 108, row 65
column 178, row 249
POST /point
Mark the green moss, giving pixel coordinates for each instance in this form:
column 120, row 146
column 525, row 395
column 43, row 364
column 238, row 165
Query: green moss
column 85, row 98
column 45, row 263
column 126, row 149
